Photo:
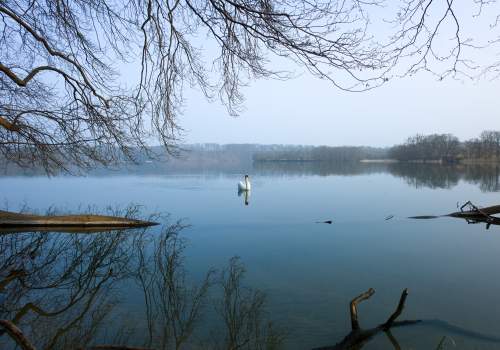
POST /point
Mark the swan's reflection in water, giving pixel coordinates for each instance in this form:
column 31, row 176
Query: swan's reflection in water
column 245, row 194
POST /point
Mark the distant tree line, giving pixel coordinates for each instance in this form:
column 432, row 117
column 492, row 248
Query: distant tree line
column 244, row 158
column 287, row 153
column 447, row 148
column 442, row 147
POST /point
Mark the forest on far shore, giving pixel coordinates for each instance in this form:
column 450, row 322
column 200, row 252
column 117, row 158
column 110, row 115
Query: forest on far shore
column 447, row 148
column 442, row 148
column 435, row 148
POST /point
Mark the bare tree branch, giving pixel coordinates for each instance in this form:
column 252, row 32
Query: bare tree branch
column 16, row 334
column 93, row 82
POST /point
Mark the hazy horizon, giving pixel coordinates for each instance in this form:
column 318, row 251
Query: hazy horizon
column 307, row 111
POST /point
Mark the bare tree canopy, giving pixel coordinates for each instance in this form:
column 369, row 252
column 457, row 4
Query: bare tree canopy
column 87, row 82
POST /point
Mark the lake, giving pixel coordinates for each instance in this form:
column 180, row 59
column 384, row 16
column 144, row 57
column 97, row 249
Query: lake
column 308, row 271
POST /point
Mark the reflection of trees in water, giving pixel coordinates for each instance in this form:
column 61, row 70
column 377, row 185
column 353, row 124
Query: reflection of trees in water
column 286, row 168
column 417, row 175
column 242, row 310
column 426, row 175
column 447, row 176
column 174, row 308
column 60, row 290
column 56, row 286
column 484, row 176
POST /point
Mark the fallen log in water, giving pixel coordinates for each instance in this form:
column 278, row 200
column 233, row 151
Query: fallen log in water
column 19, row 222
column 475, row 212
column 472, row 214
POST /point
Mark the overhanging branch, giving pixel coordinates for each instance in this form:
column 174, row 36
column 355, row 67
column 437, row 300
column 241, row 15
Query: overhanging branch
column 8, row 125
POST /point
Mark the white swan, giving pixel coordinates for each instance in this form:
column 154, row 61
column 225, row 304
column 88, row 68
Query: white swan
column 244, row 186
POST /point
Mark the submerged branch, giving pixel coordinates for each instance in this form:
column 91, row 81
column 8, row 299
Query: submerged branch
column 358, row 336
column 473, row 215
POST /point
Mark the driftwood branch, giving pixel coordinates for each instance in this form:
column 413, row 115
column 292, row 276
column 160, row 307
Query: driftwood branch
column 473, row 214
column 354, row 307
column 358, row 336
column 388, row 324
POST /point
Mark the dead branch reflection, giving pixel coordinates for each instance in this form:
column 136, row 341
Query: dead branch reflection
column 243, row 312
column 172, row 306
column 57, row 288
column 59, row 291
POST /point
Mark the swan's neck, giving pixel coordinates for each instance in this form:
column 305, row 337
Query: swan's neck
column 246, row 182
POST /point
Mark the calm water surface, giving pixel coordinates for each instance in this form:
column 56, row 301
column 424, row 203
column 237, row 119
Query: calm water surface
column 311, row 271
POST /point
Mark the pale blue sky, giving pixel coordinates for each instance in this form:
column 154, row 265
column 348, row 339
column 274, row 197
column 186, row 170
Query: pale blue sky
column 306, row 110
